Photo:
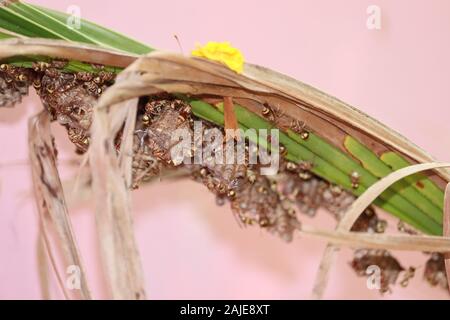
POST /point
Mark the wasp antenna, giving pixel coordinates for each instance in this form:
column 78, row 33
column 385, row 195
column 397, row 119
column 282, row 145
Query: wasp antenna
column 179, row 44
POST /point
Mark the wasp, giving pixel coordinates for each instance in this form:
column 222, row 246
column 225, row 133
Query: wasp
column 283, row 151
column 369, row 221
column 354, row 179
column 299, row 127
column 271, row 113
column 305, row 169
column 409, row 274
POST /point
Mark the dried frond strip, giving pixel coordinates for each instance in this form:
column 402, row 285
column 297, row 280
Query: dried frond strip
column 365, row 240
column 51, row 203
column 120, row 256
column 42, row 261
column 61, row 49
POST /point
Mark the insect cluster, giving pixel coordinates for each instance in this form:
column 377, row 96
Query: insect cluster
column 434, row 272
column 14, row 84
column 387, row 269
column 254, row 198
column 70, row 97
column 270, row 202
column 157, row 119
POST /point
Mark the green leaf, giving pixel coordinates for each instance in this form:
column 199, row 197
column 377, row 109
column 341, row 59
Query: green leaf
column 420, row 181
column 14, row 22
column 34, row 21
column 376, row 166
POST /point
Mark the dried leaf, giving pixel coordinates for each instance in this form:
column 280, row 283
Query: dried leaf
column 120, row 257
column 54, row 217
column 64, row 50
column 42, row 261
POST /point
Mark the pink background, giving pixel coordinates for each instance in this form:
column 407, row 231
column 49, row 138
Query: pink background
column 192, row 249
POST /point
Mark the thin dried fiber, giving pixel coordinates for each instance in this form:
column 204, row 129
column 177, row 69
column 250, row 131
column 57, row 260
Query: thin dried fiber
column 43, row 267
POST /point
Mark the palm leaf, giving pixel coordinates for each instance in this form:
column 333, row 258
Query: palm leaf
column 341, row 140
column 37, row 22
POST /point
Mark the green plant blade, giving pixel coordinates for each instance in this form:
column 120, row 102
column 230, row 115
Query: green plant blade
column 14, row 22
column 419, row 181
column 106, row 36
column 372, row 163
column 34, row 21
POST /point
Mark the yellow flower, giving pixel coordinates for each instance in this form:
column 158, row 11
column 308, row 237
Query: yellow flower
column 222, row 52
